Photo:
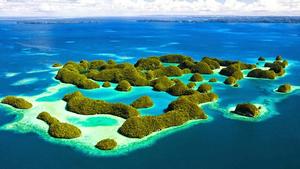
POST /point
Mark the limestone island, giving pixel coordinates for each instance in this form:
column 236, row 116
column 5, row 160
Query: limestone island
column 285, row 88
column 58, row 129
column 275, row 69
column 247, row 109
column 163, row 74
column 16, row 102
column 106, row 144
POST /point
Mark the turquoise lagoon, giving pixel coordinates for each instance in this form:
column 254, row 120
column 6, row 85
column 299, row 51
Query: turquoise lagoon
column 224, row 141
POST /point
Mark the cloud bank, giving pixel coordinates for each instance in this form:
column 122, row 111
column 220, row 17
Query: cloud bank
column 81, row 8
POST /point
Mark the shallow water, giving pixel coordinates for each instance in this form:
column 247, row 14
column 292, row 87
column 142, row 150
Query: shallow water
column 28, row 50
column 93, row 121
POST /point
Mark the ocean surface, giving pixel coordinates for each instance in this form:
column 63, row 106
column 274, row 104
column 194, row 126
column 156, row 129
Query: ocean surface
column 28, row 49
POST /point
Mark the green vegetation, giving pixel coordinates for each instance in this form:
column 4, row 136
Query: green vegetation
column 230, row 80
column 261, row 59
column 174, row 58
column 79, row 104
column 285, row 88
column 58, row 129
column 178, row 89
column 168, row 71
column 186, row 71
column 152, row 72
column 118, row 72
column 233, row 70
column 64, row 130
column 259, row 73
column 213, row 64
column 106, row 84
column 16, row 102
column 242, row 65
column 191, row 85
column 277, row 67
column 185, row 105
column 187, row 64
column 162, row 83
column 196, row 77
column 106, row 144
column 213, row 80
column 202, row 68
column 47, row 118
column 124, row 85
column 246, row 109
column 150, row 63
column 142, row 102
column 200, row 98
column 178, row 113
column 204, row 88
column 72, row 73
column 57, row 65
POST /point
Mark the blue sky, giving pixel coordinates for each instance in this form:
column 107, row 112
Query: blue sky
column 81, row 8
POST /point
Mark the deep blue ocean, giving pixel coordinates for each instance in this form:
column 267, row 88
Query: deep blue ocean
column 27, row 51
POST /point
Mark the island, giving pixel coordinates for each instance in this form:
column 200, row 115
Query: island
column 275, row 69
column 106, row 144
column 213, row 80
column 247, row 109
column 78, row 103
column 16, row 102
column 142, row 102
column 191, row 85
column 285, row 88
column 196, row 77
column 188, row 83
column 58, row 129
column 230, row 81
column 124, row 85
column 204, row 88
column 106, row 84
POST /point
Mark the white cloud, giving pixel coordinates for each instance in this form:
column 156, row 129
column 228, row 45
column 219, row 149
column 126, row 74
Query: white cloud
column 73, row 8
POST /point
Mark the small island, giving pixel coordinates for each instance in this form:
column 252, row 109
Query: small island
column 213, row 80
column 275, row 69
column 124, row 86
column 142, row 102
column 106, row 144
column 204, row 88
column 230, row 81
column 16, row 102
column 58, row 129
column 247, row 109
column 106, row 84
column 196, row 77
column 285, row 88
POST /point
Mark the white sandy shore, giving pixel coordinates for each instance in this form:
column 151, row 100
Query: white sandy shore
column 294, row 88
column 262, row 116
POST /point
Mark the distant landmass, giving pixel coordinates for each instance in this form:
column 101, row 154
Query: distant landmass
column 179, row 19
column 227, row 19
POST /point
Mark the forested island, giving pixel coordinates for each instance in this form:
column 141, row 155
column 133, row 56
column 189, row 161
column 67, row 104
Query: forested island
column 153, row 73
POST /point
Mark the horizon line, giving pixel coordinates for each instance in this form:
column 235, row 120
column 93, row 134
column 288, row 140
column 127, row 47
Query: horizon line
column 132, row 16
